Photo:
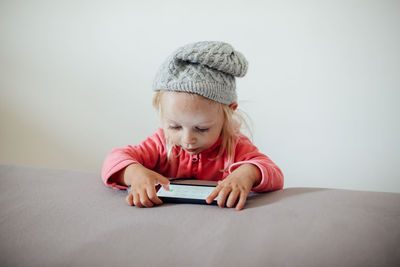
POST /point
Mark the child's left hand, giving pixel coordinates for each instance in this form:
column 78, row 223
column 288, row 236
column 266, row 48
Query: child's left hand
column 236, row 186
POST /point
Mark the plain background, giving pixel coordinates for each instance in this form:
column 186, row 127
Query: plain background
column 322, row 87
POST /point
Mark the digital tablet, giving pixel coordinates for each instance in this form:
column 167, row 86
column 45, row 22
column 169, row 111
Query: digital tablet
column 187, row 191
column 182, row 193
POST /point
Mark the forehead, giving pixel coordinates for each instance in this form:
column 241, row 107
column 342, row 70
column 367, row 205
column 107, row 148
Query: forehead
column 182, row 106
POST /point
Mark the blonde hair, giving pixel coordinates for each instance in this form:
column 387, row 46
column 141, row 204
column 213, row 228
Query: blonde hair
column 233, row 121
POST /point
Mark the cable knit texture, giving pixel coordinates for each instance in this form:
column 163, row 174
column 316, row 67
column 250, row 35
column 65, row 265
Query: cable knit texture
column 207, row 68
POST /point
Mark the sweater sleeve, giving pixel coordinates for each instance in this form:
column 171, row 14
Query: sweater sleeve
column 271, row 174
column 148, row 153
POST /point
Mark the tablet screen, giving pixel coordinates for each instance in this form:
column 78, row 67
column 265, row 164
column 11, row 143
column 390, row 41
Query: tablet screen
column 186, row 191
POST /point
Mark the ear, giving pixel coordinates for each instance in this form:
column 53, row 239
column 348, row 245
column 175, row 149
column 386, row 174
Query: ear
column 234, row 105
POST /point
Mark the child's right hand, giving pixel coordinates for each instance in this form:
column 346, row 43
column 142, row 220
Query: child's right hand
column 142, row 181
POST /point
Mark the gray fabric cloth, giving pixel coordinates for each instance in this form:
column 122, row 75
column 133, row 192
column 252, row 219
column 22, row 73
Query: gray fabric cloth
column 207, row 68
column 54, row 217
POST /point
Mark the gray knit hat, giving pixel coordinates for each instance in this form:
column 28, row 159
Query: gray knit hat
column 206, row 68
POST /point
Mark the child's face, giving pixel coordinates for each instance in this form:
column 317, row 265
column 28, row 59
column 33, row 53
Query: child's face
column 192, row 122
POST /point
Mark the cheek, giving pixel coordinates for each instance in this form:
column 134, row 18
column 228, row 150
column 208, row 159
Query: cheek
column 212, row 137
column 174, row 136
column 168, row 134
column 218, row 131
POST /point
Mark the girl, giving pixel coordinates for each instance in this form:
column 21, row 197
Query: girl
column 200, row 138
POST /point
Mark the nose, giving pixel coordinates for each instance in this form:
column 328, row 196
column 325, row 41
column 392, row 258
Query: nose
column 188, row 138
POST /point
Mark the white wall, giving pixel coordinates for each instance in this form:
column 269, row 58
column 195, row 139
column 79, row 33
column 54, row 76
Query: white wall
column 322, row 87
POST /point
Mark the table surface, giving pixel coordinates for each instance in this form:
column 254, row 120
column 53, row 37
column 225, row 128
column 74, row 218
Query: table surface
column 51, row 217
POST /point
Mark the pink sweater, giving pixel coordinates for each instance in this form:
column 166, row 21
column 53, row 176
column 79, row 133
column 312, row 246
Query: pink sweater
column 152, row 153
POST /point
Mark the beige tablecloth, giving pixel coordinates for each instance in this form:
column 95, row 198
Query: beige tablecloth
column 69, row 218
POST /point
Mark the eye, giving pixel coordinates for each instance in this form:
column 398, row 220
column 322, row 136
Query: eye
column 202, row 130
column 173, row 127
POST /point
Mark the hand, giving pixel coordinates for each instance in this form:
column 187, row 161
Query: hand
column 142, row 182
column 236, row 186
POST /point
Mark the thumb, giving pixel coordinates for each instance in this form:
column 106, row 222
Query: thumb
column 164, row 182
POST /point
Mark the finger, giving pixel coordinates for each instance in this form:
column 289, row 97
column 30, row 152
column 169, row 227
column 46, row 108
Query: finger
column 129, row 200
column 222, row 196
column 242, row 201
column 232, row 198
column 213, row 195
column 144, row 199
column 136, row 200
column 165, row 186
column 151, row 192
column 164, row 182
